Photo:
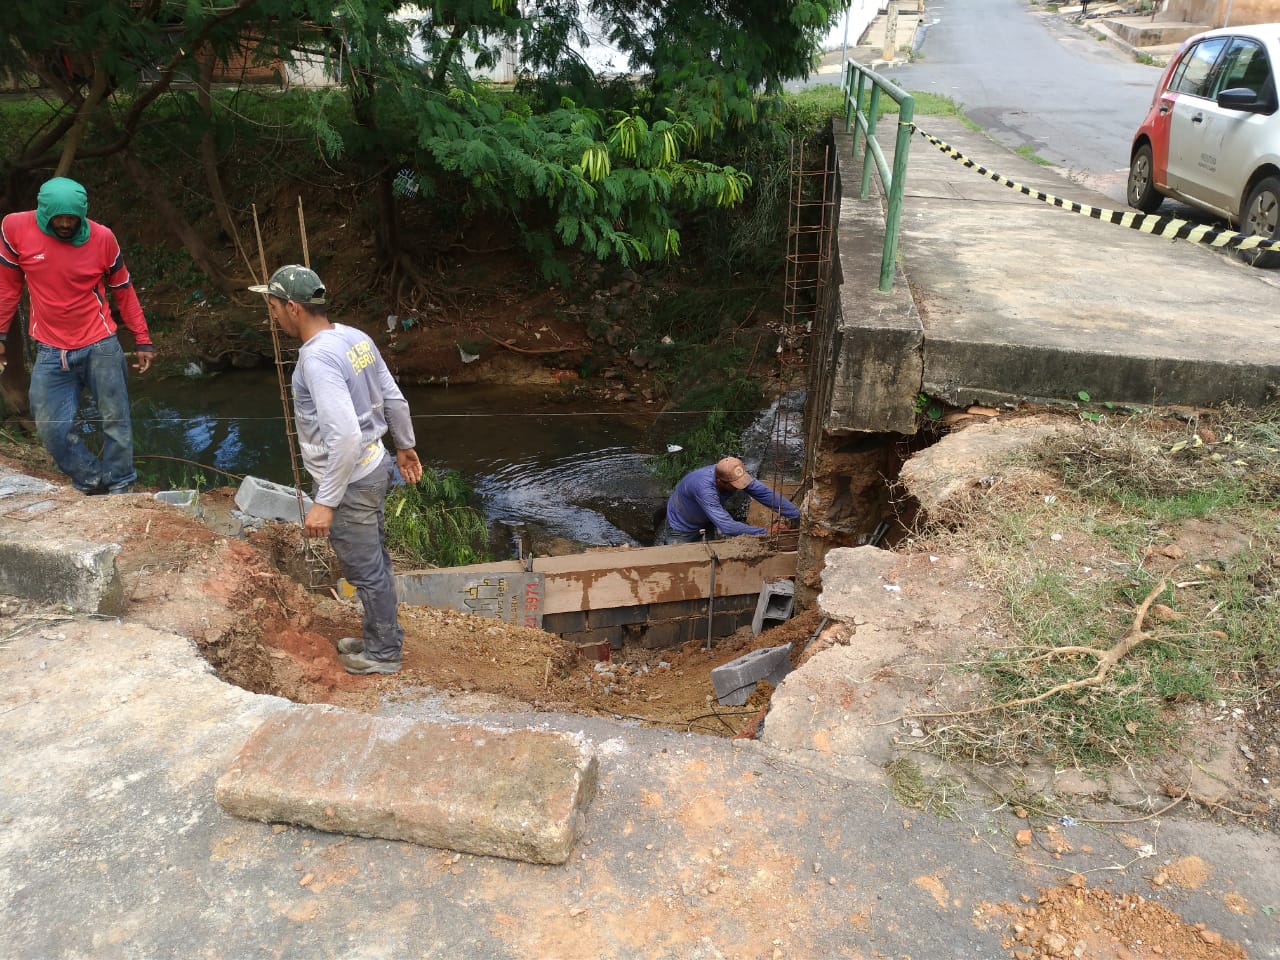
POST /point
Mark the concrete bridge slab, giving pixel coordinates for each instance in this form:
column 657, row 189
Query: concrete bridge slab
column 1021, row 300
column 518, row 794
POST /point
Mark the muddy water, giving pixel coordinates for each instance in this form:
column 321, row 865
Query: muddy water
column 542, row 467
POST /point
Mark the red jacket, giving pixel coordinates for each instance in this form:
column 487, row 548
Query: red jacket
column 68, row 284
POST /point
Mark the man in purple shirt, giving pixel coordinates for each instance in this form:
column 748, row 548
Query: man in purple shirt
column 696, row 508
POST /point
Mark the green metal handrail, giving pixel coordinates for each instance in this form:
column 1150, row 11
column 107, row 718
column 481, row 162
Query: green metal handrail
column 893, row 182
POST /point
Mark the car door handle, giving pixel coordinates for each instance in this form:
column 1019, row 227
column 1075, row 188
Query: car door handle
column 1198, row 118
column 1164, row 108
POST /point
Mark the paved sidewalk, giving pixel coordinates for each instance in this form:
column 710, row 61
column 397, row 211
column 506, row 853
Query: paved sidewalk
column 1014, row 298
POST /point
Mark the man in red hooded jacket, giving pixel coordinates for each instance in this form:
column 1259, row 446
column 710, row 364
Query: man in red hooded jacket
column 69, row 263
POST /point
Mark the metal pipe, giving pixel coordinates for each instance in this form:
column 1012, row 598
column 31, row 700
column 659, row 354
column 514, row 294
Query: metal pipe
column 711, row 595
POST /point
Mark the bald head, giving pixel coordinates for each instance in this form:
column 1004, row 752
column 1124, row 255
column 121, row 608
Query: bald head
column 731, row 473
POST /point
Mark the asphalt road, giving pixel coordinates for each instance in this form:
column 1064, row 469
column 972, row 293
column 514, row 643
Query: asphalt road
column 1035, row 80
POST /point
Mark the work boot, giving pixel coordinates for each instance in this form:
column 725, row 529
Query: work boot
column 351, row 645
column 358, row 663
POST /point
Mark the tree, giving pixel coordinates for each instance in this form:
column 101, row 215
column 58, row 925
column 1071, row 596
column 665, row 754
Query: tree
column 106, row 64
column 604, row 163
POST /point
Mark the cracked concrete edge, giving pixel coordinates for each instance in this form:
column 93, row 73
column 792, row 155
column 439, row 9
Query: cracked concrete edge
column 76, row 574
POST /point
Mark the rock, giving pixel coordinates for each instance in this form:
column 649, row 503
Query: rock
column 938, row 473
column 1055, row 944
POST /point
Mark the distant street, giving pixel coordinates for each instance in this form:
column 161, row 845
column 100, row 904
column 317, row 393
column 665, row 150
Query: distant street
column 1036, row 81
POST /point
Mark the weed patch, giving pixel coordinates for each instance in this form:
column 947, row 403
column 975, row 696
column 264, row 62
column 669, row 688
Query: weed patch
column 1160, row 532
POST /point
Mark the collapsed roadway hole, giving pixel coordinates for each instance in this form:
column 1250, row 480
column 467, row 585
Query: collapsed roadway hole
column 280, row 639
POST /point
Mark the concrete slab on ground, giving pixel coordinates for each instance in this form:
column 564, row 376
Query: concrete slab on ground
column 75, row 573
column 1019, row 299
column 519, row 794
column 112, row 846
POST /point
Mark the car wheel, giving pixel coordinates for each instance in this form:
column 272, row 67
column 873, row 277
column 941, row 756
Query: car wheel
column 1143, row 194
column 1261, row 217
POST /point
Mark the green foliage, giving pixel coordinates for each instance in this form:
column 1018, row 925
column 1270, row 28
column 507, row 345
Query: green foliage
column 432, row 524
column 1029, row 152
column 927, row 406
column 712, row 436
column 162, row 263
column 912, row 790
column 577, row 160
column 1129, row 488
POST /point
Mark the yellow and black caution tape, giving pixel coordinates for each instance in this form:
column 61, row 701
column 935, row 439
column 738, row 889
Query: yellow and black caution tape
column 1170, row 227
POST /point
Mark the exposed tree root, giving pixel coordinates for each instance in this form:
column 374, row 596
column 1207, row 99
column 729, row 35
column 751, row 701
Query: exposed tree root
column 514, row 349
column 1107, row 659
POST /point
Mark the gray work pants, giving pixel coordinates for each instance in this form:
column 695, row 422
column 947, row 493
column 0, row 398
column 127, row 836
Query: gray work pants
column 359, row 540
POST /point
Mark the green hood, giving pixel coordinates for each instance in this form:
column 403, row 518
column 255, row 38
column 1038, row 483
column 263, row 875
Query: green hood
column 62, row 196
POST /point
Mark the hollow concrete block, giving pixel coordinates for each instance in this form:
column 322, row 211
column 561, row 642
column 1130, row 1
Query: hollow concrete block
column 188, row 501
column 270, row 501
column 734, row 681
column 776, row 603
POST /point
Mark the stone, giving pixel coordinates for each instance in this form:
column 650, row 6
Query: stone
column 518, row 794
column 79, row 575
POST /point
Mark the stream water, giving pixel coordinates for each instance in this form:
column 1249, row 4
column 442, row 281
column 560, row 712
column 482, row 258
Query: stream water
column 541, row 467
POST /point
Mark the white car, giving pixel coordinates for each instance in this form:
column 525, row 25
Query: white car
column 1212, row 136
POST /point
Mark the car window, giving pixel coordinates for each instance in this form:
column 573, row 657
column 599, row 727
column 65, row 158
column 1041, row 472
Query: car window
column 1245, row 65
column 1196, row 72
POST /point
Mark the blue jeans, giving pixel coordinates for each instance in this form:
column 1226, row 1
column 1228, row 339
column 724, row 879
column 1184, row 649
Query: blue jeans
column 667, row 536
column 358, row 537
column 58, row 378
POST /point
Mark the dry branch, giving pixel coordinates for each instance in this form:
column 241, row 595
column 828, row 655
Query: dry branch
column 514, row 349
column 1107, row 659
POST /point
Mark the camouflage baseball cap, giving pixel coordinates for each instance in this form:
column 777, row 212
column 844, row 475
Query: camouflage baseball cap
column 293, row 282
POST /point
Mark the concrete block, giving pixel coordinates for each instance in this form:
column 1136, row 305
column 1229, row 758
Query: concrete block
column 270, row 501
column 730, row 621
column 599, row 650
column 669, row 633
column 562, row 623
column 777, row 601
column 13, row 483
column 76, row 574
column 29, row 510
column 618, row 616
column 519, row 794
column 609, row 635
column 734, row 682
column 740, row 603
column 677, row 609
column 188, row 501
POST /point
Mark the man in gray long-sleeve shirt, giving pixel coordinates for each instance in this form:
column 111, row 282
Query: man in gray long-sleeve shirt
column 344, row 400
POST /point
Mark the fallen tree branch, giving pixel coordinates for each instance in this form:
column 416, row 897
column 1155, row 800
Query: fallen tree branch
column 1106, row 660
column 514, row 349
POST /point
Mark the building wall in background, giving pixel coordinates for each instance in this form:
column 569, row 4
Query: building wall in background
column 1214, row 13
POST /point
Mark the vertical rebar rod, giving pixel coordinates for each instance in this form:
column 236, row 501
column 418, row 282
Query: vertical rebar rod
column 810, row 229
column 291, row 434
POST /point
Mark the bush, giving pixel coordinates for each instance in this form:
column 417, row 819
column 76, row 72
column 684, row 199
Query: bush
column 431, row 523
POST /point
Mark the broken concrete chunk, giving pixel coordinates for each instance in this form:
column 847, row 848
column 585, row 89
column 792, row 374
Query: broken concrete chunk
column 518, row 794
column 76, row 574
column 735, row 680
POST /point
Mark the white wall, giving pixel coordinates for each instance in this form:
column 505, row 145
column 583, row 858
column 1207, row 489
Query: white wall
column 858, row 17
